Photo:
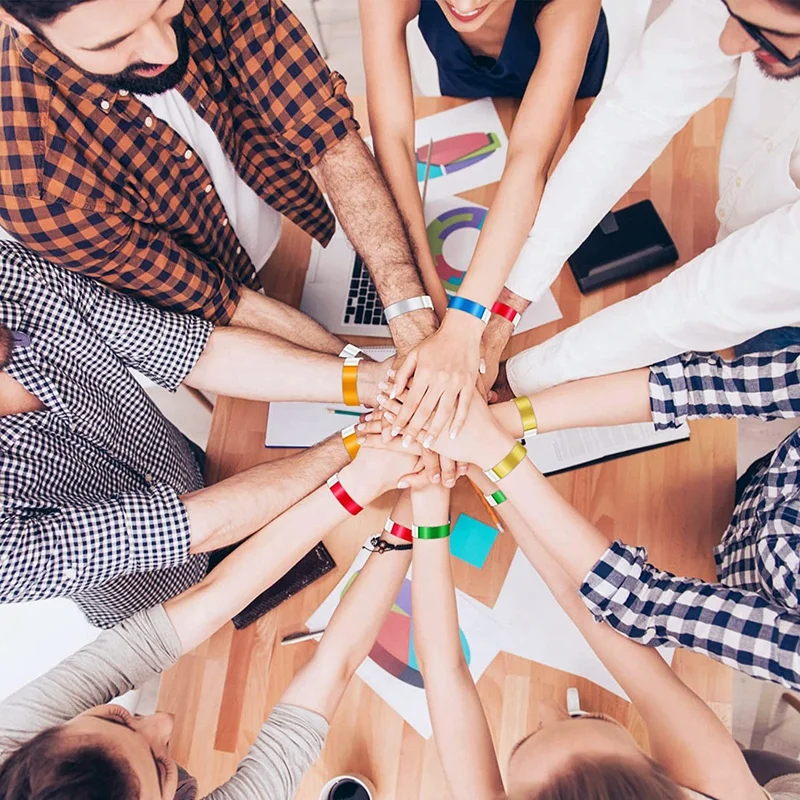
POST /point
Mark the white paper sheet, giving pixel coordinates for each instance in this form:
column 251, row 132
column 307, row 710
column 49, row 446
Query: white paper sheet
column 454, row 226
column 552, row 452
column 535, row 627
column 478, row 627
column 469, row 150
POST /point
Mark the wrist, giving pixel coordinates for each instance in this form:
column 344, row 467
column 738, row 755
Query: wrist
column 463, row 326
column 494, row 449
column 359, row 483
column 410, row 330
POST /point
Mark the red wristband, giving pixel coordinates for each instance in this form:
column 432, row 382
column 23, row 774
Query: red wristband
column 511, row 314
column 341, row 495
column 398, row 530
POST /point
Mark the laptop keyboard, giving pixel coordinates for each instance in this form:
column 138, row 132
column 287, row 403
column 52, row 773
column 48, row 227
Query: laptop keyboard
column 363, row 304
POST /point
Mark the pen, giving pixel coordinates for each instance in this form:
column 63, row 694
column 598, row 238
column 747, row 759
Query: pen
column 344, row 413
column 301, row 636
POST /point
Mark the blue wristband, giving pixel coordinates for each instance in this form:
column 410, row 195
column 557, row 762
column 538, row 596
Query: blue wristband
column 470, row 307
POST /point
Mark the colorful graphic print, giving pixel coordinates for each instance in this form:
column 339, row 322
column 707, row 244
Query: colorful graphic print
column 456, row 153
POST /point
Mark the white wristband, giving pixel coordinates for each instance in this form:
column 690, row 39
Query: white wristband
column 351, row 351
column 404, row 306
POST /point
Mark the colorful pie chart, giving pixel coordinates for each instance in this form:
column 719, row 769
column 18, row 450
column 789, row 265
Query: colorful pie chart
column 393, row 650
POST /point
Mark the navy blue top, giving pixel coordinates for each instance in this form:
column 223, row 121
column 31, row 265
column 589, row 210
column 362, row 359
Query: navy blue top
column 462, row 74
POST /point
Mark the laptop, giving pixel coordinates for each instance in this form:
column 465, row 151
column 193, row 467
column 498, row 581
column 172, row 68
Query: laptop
column 339, row 292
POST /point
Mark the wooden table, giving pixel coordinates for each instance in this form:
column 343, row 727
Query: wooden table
column 675, row 500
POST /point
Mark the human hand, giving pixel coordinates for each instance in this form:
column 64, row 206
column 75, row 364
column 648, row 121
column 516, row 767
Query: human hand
column 379, row 469
column 430, row 504
column 440, row 376
column 371, row 378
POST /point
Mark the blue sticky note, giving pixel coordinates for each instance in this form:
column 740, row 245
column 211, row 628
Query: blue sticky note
column 471, row 540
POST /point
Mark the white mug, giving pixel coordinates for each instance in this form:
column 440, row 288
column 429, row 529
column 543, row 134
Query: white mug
column 358, row 780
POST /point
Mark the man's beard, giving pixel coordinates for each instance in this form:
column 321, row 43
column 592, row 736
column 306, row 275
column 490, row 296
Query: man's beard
column 6, row 345
column 128, row 80
column 791, row 74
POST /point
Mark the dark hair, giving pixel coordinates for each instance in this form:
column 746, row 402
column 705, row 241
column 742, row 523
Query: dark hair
column 45, row 769
column 610, row 779
column 6, row 345
column 34, row 13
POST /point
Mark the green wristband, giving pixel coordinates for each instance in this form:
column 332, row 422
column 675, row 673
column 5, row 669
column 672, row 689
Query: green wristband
column 431, row 531
column 496, row 498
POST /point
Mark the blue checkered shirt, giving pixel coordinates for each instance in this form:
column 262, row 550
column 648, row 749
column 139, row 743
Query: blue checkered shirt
column 89, row 487
column 749, row 620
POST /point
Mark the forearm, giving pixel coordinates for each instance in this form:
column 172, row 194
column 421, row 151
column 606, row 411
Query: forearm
column 251, row 364
column 617, row 399
column 265, row 314
column 231, row 510
column 367, row 212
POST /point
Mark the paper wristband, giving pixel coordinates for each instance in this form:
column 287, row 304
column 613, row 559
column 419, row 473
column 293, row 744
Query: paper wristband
column 351, row 351
column 341, row 495
column 470, row 307
column 529, row 425
column 350, row 381
column 398, row 530
column 431, row 531
column 496, row 498
column 406, row 306
column 508, row 464
column 350, row 441
column 511, row 314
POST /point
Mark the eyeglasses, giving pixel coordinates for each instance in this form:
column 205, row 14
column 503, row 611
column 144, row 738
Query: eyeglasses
column 757, row 34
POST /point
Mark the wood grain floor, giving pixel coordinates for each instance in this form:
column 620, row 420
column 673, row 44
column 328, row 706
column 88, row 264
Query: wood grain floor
column 676, row 501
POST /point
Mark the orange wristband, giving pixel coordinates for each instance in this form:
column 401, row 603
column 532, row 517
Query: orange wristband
column 350, row 441
column 350, row 381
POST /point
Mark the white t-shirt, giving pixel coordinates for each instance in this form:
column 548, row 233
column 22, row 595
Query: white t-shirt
column 257, row 225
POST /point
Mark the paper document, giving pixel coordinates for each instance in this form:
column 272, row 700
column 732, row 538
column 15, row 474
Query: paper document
column 469, row 148
column 535, row 627
column 391, row 669
column 560, row 450
column 453, row 227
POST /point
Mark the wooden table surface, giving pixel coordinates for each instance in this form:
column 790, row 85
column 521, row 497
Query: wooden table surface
column 674, row 500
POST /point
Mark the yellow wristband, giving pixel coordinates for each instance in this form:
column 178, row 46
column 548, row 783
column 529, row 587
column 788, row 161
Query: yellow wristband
column 525, row 409
column 350, row 441
column 350, row 381
column 508, row 464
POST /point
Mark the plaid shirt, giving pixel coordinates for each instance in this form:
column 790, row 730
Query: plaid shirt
column 750, row 620
column 89, row 487
column 93, row 181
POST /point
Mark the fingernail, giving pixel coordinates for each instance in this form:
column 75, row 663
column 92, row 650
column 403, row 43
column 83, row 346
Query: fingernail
column 407, row 440
column 391, row 373
column 361, row 439
column 482, row 368
column 436, row 478
column 428, row 442
column 449, row 483
column 382, row 401
column 392, row 393
column 368, row 417
column 360, row 426
column 395, row 432
column 453, row 433
column 388, row 416
column 402, row 485
column 463, row 470
column 383, row 386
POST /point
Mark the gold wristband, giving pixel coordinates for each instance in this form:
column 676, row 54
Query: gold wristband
column 350, row 381
column 350, row 441
column 526, row 411
column 508, row 464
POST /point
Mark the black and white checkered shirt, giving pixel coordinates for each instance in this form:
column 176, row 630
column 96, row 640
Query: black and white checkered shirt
column 750, row 620
column 89, row 487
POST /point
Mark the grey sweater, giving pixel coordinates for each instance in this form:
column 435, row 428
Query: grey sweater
column 127, row 656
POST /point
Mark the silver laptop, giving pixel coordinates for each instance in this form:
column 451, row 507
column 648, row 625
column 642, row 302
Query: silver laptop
column 339, row 293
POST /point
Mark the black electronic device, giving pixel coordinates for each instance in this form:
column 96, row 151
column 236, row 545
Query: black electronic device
column 627, row 242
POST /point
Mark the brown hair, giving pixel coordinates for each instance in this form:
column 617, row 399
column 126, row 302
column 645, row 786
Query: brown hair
column 610, row 779
column 45, row 769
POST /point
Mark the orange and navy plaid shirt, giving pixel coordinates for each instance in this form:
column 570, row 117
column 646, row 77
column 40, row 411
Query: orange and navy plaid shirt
column 92, row 180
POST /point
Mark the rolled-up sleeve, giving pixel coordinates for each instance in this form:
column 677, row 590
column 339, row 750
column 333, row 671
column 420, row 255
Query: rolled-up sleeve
column 738, row 628
column 696, row 385
column 305, row 104
column 80, row 547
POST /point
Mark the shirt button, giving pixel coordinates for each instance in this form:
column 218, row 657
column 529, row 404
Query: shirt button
column 188, row 154
column 123, row 93
column 739, row 182
column 208, row 189
column 105, row 105
column 225, row 223
column 148, row 478
column 70, row 573
column 239, row 250
column 148, row 122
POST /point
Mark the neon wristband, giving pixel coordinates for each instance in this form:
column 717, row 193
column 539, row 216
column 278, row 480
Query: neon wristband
column 511, row 314
column 350, row 441
column 470, row 307
column 341, row 495
column 351, row 351
column 407, row 305
column 398, row 530
column 529, row 425
column 350, row 381
column 508, row 464
column 496, row 498
column 431, row 531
